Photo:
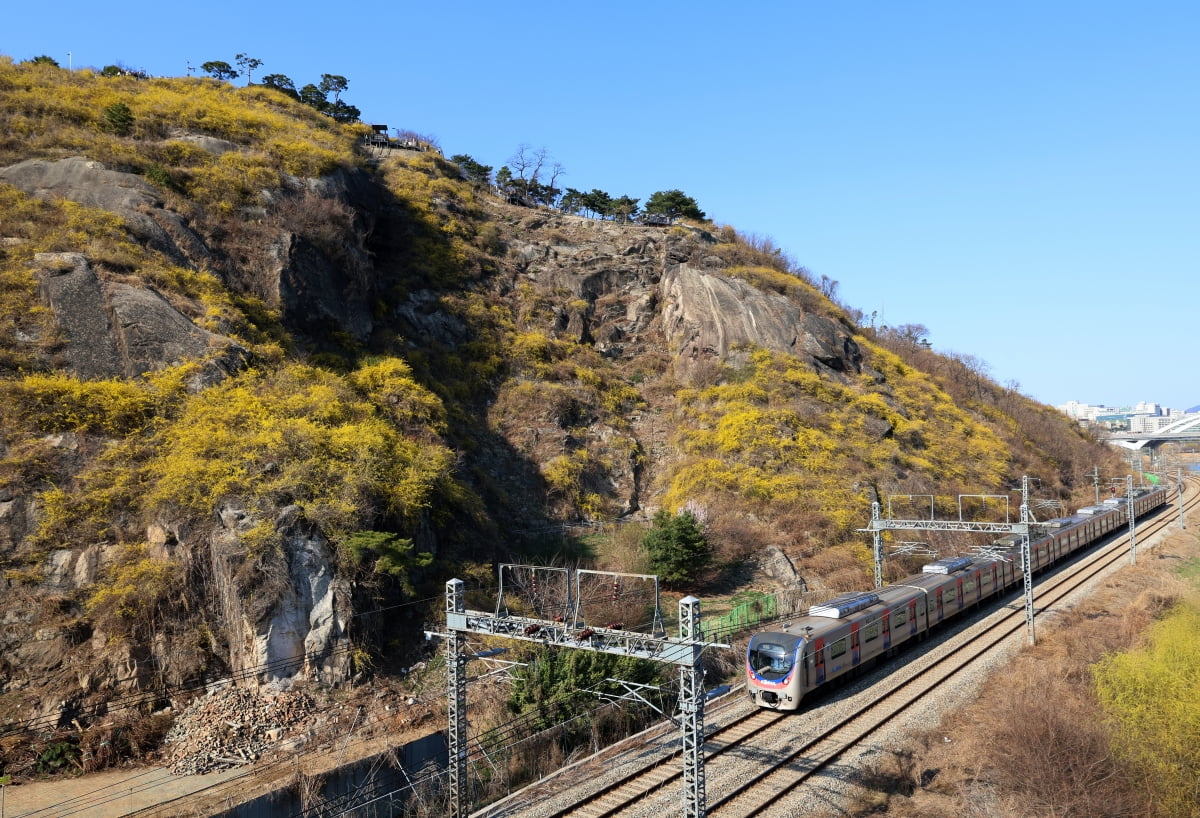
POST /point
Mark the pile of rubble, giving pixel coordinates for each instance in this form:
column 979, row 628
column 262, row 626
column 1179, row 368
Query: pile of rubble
column 235, row 726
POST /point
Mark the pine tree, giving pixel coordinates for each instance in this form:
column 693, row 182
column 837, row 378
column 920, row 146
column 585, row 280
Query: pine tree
column 677, row 547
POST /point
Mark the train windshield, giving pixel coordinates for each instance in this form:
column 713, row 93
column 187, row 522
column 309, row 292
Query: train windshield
column 772, row 655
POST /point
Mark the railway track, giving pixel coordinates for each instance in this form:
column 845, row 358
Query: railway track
column 740, row 793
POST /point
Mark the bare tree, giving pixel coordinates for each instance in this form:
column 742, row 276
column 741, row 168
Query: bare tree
column 527, row 163
column 829, row 287
column 556, row 170
column 520, row 162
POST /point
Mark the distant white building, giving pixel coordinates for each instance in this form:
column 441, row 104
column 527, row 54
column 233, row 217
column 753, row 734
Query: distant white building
column 1149, row 423
column 1143, row 417
column 1083, row 411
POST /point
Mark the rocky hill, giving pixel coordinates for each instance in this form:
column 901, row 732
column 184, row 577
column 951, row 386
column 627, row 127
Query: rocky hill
column 258, row 384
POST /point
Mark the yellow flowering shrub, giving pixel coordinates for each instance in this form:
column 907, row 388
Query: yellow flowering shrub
column 780, row 438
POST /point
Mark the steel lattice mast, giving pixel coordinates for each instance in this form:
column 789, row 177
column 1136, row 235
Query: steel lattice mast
column 691, row 706
column 1023, row 528
column 456, row 685
column 565, row 632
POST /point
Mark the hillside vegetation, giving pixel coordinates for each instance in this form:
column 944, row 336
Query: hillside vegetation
column 256, row 384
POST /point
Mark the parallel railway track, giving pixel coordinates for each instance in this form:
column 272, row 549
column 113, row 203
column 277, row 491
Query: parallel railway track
column 781, row 773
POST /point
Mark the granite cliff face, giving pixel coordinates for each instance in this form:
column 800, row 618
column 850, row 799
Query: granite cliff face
column 280, row 616
column 622, row 292
column 653, row 285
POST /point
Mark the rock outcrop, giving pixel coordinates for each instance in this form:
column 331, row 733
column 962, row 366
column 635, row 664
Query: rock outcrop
column 128, row 195
column 646, row 286
column 284, row 610
column 117, row 330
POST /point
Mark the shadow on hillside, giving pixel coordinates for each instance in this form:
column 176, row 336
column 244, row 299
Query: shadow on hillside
column 433, row 311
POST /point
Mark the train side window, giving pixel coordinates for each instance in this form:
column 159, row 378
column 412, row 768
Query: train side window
column 899, row 619
column 871, row 631
column 837, row 649
column 948, row 594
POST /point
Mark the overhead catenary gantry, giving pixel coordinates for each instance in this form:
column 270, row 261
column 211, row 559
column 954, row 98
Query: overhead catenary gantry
column 880, row 524
column 580, row 610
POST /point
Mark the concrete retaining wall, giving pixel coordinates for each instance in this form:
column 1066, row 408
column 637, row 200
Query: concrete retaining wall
column 366, row 788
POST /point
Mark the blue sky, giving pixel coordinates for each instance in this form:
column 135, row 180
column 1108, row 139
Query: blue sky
column 1022, row 178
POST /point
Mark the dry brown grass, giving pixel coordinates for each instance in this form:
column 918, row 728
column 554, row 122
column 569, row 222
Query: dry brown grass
column 838, row 568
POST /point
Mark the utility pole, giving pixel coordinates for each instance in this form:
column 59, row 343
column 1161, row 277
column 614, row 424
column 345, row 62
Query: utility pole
column 456, row 685
column 1027, row 562
column 1179, row 482
column 877, row 545
column 691, row 706
column 1132, row 520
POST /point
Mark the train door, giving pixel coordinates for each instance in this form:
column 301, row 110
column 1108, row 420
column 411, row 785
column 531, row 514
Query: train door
column 940, row 611
column 995, row 579
column 819, row 653
column 887, row 629
column 912, row 617
column 855, row 654
column 959, row 584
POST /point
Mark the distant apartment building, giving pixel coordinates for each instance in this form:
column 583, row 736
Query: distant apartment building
column 1149, row 423
column 1142, row 417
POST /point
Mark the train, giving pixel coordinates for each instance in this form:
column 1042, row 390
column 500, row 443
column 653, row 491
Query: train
column 843, row 635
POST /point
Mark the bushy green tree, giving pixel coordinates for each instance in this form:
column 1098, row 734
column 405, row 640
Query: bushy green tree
column 561, row 679
column 598, row 203
column 219, row 69
column 388, row 554
column 571, row 201
column 317, row 96
column 673, row 204
column 334, row 84
column 476, row 172
column 118, row 118
column 624, row 208
column 282, row 83
column 249, row 65
column 677, row 547
column 313, row 97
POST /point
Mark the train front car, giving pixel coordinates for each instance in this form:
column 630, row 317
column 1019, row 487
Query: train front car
column 774, row 664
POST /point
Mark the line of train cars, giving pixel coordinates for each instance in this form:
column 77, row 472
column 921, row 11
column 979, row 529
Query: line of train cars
column 846, row 633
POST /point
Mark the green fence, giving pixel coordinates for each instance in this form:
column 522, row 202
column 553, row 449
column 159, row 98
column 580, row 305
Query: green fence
column 761, row 608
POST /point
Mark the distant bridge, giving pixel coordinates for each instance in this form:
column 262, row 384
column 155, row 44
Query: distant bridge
column 1183, row 430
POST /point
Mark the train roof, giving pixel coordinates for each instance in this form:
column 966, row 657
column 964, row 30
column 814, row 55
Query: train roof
column 927, row 582
column 947, row 566
column 845, row 605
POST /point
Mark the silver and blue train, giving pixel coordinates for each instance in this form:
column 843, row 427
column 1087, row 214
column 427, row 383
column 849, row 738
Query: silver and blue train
column 846, row 633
